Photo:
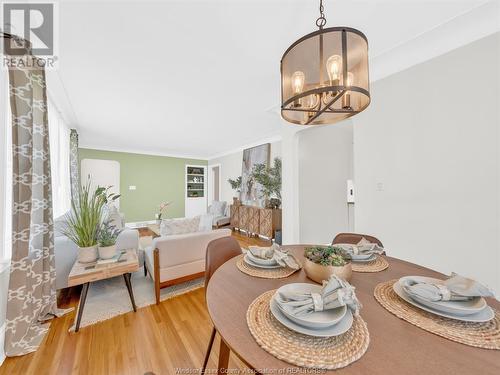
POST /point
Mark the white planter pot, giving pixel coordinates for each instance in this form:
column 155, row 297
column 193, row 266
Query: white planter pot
column 107, row 252
column 87, row 254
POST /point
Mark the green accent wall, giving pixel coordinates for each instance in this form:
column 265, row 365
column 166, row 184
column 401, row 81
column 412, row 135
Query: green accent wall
column 157, row 179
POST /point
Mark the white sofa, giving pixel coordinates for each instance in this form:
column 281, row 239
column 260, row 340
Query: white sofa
column 66, row 251
column 179, row 254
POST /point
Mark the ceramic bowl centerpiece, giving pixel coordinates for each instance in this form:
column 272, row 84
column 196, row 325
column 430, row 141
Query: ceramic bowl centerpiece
column 107, row 240
column 83, row 222
column 321, row 262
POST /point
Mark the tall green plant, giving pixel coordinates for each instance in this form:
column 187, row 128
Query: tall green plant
column 235, row 184
column 269, row 178
column 84, row 220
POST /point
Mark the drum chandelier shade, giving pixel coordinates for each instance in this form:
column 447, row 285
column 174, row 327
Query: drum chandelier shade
column 324, row 76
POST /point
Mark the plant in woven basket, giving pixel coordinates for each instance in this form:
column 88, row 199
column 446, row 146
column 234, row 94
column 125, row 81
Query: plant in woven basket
column 327, row 255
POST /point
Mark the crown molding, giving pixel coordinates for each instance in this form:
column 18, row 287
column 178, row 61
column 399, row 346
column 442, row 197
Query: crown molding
column 270, row 139
column 141, row 152
column 463, row 29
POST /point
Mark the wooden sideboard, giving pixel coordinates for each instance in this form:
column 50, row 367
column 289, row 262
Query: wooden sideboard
column 256, row 220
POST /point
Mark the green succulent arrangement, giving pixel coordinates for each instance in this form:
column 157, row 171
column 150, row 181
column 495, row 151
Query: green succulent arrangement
column 327, row 255
column 108, row 234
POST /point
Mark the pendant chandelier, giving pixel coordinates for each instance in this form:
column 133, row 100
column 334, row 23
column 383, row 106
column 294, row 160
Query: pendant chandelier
column 324, row 75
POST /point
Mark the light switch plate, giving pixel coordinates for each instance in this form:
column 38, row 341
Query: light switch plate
column 350, row 191
column 132, row 187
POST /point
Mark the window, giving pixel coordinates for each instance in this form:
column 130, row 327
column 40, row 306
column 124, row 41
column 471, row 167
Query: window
column 59, row 161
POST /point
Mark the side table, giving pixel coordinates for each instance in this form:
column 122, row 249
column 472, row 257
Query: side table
column 85, row 273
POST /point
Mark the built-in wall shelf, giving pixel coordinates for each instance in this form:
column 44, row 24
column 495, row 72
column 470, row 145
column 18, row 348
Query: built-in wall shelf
column 195, row 182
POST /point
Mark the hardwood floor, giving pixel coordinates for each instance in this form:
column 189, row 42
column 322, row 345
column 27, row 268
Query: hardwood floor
column 159, row 339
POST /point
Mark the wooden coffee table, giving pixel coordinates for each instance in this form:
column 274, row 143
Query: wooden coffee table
column 85, row 273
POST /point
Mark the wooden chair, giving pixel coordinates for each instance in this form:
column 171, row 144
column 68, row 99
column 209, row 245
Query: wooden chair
column 218, row 252
column 354, row 238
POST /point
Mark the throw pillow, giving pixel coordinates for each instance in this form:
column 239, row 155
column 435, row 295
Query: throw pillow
column 180, row 226
column 218, row 208
column 205, row 223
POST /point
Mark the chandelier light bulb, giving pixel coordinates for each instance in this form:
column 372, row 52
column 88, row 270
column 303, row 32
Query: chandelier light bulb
column 333, row 68
column 298, row 79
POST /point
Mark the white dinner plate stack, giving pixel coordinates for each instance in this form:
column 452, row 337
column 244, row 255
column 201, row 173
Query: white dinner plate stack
column 259, row 262
column 357, row 258
column 363, row 258
column 327, row 323
column 474, row 310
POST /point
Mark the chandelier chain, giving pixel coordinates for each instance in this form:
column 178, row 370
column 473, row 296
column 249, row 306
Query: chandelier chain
column 321, row 21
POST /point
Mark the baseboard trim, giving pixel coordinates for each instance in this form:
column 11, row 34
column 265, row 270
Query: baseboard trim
column 2, row 343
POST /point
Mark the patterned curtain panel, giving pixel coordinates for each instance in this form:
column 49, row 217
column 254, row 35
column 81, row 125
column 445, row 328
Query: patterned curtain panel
column 73, row 163
column 31, row 296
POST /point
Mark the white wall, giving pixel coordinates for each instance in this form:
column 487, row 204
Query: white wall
column 427, row 162
column 325, row 164
column 230, row 167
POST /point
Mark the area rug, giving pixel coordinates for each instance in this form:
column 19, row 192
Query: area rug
column 109, row 298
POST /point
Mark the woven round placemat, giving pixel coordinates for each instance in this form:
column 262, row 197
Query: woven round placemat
column 481, row 335
column 265, row 273
column 302, row 350
column 377, row 265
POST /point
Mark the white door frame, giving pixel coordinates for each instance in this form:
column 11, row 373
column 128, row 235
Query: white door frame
column 211, row 182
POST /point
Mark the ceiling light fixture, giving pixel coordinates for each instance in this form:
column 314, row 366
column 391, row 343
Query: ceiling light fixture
column 324, row 75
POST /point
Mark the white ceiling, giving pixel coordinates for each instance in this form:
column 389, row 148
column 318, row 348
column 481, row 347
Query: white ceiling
column 197, row 78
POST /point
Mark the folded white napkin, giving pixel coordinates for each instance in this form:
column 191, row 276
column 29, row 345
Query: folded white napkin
column 336, row 292
column 274, row 252
column 455, row 288
column 262, row 252
column 363, row 247
column 364, row 243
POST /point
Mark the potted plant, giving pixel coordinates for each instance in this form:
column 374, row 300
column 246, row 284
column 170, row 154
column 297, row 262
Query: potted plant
column 83, row 222
column 107, row 240
column 161, row 210
column 236, row 186
column 323, row 261
column 270, row 180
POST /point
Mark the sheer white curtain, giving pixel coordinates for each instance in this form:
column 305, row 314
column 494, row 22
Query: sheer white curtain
column 59, row 161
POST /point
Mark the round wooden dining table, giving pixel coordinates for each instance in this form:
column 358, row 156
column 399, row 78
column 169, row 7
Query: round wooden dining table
column 396, row 346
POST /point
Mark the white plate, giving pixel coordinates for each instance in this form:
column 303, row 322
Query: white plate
column 484, row 315
column 253, row 264
column 451, row 307
column 335, row 330
column 358, row 257
column 263, row 262
column 367, row 260
column 315, row 320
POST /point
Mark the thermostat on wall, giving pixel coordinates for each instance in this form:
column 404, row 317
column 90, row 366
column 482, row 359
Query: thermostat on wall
column 350, row 191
